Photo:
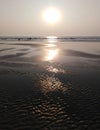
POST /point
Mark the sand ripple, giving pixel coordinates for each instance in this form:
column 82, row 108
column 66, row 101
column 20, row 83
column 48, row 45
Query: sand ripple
column 53, row 95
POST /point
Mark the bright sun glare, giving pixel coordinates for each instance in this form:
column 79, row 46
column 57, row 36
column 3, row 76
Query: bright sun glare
column 51, row 54
column 52, row 15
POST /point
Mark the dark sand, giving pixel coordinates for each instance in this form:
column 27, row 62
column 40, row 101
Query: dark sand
column 50, row 86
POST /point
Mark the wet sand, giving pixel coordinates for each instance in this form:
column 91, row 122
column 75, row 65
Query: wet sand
column 49, row 86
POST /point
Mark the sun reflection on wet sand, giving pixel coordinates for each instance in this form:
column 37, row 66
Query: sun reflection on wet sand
column 50, row 113
column 55, row 70
column 51, row 45
column 51, row 50
column 51, row 84
column 51, row 54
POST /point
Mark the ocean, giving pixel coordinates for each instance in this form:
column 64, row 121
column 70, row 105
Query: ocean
column 49, row 83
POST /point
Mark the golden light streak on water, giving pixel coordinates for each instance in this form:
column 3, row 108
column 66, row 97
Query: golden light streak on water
column 51, row 54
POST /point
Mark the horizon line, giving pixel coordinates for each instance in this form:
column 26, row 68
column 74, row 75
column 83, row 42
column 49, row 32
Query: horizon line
column 60, row 38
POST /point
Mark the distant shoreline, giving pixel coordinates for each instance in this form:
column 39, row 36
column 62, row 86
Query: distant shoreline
column 68, row 38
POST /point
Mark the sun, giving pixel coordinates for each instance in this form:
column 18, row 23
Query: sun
column 52, row 15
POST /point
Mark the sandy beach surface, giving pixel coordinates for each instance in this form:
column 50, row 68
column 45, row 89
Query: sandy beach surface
column 49, row 85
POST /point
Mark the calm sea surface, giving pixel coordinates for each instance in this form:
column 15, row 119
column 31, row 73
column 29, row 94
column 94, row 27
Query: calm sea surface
column 49, row 85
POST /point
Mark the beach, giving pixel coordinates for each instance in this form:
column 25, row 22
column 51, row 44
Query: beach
column 49, row 85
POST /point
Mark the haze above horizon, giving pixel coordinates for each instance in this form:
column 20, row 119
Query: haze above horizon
column 72, row 18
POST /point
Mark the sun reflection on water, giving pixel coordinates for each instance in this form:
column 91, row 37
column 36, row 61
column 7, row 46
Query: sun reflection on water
column 51, row 50
column 51, row 39
column 51, row 45
column 51, row 54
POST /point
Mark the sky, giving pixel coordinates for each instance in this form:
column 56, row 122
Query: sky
column 24, row 18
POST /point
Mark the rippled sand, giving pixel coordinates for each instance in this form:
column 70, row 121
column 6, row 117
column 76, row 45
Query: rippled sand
column 49, row 86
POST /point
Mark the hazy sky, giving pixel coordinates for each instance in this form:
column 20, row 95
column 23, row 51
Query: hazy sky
column 24, row 18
